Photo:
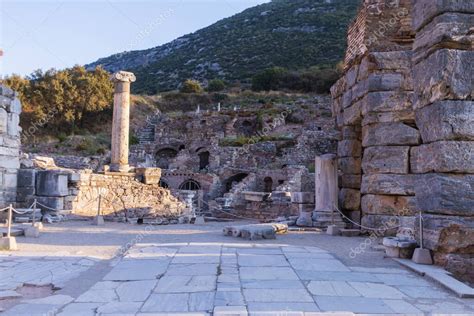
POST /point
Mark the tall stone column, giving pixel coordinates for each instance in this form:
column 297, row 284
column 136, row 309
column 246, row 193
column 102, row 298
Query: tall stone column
column 121, row 121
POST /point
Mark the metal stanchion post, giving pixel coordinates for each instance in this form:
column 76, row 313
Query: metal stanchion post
column 9, row 223
column 422, row 255
column 99, row 219
column 98, row 207
column 9, row 242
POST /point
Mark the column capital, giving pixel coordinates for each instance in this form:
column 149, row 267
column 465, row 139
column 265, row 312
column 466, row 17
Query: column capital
column 123, row 76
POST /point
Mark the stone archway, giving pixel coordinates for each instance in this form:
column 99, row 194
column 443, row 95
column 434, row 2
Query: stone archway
column 190, row 185
column 268, row 184
column 164, row 157
column 236, row 178
column 203, row 160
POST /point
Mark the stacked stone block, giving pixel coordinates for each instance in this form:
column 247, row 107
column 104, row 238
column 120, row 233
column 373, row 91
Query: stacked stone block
column 406, row 115
column 443, row 68
column 10, row 109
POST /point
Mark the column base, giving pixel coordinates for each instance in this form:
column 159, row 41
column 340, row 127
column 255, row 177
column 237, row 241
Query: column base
column 119, row 168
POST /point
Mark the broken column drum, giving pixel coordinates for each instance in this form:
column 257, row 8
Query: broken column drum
column 121, row 121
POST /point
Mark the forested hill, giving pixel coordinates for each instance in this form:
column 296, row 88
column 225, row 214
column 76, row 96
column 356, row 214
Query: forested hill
column 294, row 34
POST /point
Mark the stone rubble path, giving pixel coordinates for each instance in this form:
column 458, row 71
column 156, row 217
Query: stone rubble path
column 235, row 279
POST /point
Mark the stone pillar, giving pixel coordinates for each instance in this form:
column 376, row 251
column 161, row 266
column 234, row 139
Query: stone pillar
column 326, row 192
column 121, row 121
column 326, row 183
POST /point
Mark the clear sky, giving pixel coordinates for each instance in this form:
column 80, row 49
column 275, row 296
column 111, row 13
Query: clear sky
column 62, row 33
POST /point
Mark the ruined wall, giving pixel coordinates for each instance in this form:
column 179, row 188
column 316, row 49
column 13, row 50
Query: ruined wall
column 77, row 192
column 123, row 196
column 443, row 71
column 405, row 109
column 10, row 109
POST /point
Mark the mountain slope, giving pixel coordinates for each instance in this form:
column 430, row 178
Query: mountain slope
column 294, row 34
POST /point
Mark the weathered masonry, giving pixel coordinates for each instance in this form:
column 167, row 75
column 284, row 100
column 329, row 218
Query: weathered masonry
column 406, row 112
column 10, row 108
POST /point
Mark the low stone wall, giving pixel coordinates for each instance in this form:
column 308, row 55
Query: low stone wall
column 121, row 195
column 10, row 109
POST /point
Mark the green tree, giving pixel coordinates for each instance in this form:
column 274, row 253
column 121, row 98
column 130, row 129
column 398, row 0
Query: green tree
column 191, row 86
column 216, row 85
column 269, row 79
column 63, row 100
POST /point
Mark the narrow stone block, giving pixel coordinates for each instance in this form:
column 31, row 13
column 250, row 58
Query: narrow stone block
column 352, row 115
column 51, row 183
column 352, row 132
column 359, row 90
column 350, row 181
column 445, row 194
column 389, row 134
column 394, row 60
column 3, row 121
column 386, row 101
column 302, row 197
column 444, row 156
column 449, row 30
column 26, row 177
column 349, row 148
column 384, row 82
column 351, row 75
column 407, row 116
column 386, row 159
column 388, row 184
column 349, row 199
column 446, row 120
column 444, row 75
column 13, row 124
column 388, row 204
column 347, row 99
column 425, row 10
column 339, row 87
column 350, row 165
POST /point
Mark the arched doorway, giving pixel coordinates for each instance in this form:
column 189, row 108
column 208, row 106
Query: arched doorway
column 190, row 185
column 231, row 181
column 268, row 184
column 164, row 157
column 203, row 160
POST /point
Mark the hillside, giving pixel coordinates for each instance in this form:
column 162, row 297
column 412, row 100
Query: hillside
column 294, row 34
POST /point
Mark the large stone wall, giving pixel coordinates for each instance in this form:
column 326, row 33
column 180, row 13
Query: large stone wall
column 406, row 112
column 10, row 109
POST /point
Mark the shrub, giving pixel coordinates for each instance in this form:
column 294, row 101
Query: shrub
column 268, row 79
column 216, row 85
column 133, row 140
column 191, row 86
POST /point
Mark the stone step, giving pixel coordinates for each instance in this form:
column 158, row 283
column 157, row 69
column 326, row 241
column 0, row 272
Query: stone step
column 350, row 232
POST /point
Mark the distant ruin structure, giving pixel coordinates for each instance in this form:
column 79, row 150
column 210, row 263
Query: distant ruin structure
column 405, row 109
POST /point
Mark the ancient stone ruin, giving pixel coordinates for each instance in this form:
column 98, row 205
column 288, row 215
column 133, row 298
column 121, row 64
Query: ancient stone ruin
column 10, row 109
column 119, row 193
column 406, row 113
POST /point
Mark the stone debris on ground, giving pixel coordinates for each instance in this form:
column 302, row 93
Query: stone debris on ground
column 256, row 231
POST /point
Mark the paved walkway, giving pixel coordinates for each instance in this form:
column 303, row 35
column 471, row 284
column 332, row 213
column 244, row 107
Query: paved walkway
column 239, row 278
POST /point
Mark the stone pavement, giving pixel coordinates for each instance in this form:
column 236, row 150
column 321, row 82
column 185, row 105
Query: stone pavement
column 241, row 279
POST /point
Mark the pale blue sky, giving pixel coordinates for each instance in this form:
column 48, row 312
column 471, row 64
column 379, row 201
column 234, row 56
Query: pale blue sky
column 62, row 33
